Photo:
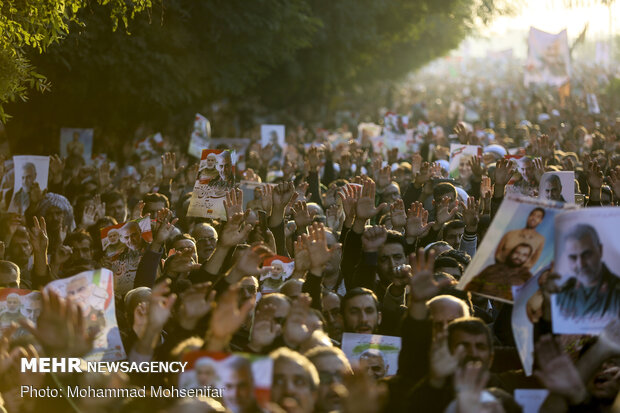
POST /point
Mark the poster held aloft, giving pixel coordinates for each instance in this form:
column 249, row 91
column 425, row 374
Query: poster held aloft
column 77, row 142
column 548, row 59
column 200, row 136
column 216, row 176
column 376, row 353
column 28, row 170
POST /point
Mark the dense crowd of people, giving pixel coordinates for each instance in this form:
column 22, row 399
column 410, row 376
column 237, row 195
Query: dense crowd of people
column 378, row 239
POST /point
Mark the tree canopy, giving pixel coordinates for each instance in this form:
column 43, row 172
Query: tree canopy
column 269, row 54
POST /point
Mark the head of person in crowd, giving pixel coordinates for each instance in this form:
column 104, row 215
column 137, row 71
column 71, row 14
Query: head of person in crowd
column 9, row 274
column 115, row 205
column 583, row 251
column 443, row 309
column 453, row 232
column 390, row 256
column 238, row 385
column 448, row 265
column 492, row 154
column 57, row 211
column 403, row 175
column 551, row 188
column 291, row 288
column 535, row 217
column 19, row 248
column 333, row 315
column 360, row 311
column 206, row 240
column 332, row 365
column 133, row 311
column 440, row 247
column 295, row 381
column 604, row 385
column 391, row 193
column 473, row 335
column 281, row 304
column 442, row 191
column 185, row 245
column 153, row 203
column 375, row 363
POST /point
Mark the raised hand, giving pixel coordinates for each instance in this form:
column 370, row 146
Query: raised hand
column 349, row 194
column 614, row 180
column 361, row 393
column 136, row 211
column 424, row 175
column 316, row 245
column 485, row 187
column 61, row 327
column 476, row 166
column 444, row 213
column 416, row 163
column 373, row 238
column 417, row 222
column 265, row 196
column 283, row 193
column 163, row 228
column 302, row 191
column 302, row 256
column 471, row 214
column 301, row 216
column 249, row 262
column 384, row 177
column 9, row 359
column 594, row 176
column 264, row 328
column 557, row 371
column 250, row 175
column 296, row 329
column 392, row 156
column 465, row 137
column 423, row 285
column 365, row 208
column 88, row 216
column 195, row 303
column 160, row 305
column 333, row 217
column 504, row 169
column 539, row 168
column 38, row 235
column 235, row 231
column 168, row 166
column 233, row 204
column 469, row 382
column 57, row 166
column 443, row 363
column 314, row 159
column 226, row 318
column 545, row 147
column 398, row 215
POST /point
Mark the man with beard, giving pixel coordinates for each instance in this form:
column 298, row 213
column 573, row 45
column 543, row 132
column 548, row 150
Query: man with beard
column 360, row 311
column 21, row 198
column 131, row 235
column 527, row 235
column 527, row 183
column 206, row 239
column 496, row 279
column 332, row 365
column 375, row 363
column 551, row 188
column 12, row 314
column 295, row 381
column 467, row 339
column 592, row 289
column 238, row 385
column 332, row 315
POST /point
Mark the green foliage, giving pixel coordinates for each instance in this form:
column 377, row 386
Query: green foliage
column 35, row 25
column 267, row 55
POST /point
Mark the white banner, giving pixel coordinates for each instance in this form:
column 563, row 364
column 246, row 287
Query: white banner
column 548, row 59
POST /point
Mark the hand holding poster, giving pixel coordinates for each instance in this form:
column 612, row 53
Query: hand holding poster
column 519, row 243
column 94, row 292
column 216, row 176
column 123, row 246
column 28, row 170
column 378, row 354
column 587, row 259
